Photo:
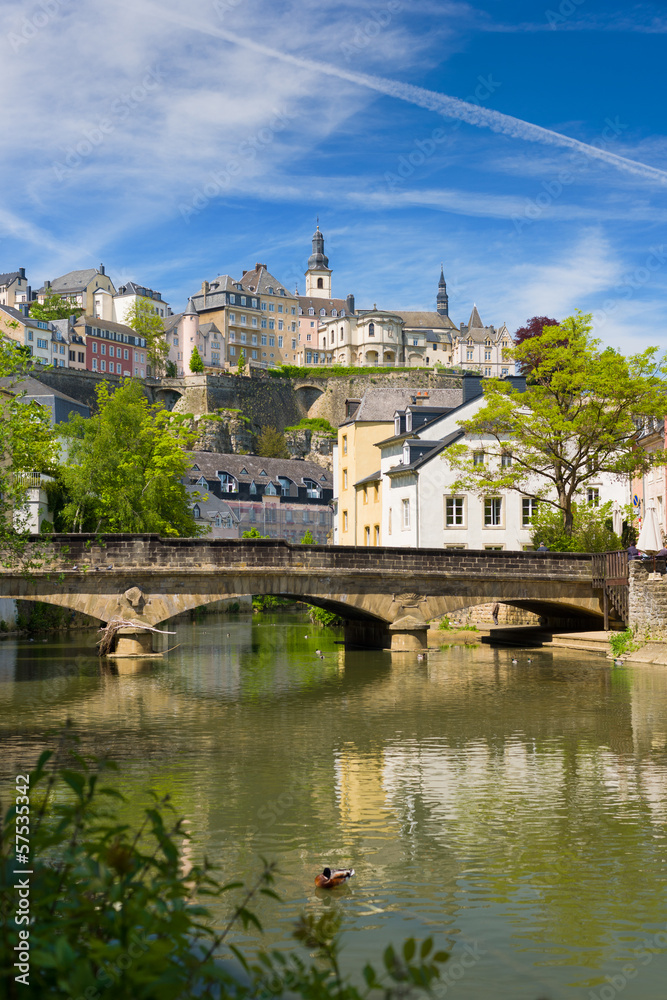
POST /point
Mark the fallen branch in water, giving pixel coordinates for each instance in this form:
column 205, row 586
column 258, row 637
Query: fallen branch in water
column 114, row 624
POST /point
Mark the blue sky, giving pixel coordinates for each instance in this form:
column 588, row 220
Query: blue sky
column 522, row 144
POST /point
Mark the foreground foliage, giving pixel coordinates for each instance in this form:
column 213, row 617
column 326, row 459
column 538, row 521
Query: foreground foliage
column 117, row 913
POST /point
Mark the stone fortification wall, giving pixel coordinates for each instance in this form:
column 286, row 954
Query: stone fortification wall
column 647, row 601
column 331, row 403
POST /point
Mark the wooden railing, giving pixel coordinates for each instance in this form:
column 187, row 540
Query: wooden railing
column 611, row 575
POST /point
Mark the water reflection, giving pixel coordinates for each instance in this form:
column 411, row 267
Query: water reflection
column 519, row 809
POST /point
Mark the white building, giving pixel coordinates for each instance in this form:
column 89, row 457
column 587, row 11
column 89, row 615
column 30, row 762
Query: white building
column 128, row 294
column 420, row 508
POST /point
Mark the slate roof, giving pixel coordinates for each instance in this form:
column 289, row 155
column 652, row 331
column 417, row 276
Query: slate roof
column 209, row 463
column 375, row 477
column 438, row 447
column 207, row 329
column 132, row 288
column 381, row 404
column 426, row 320
column 6, row 279
column 259, row 280
column 16, row 314
column 211, row 505
column 327, row 304
column 475, row 323
column 73, row 281
column 34, row 389
column 106, row 324
column 171, row 322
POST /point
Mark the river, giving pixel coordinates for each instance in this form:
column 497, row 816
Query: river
column 517, row 812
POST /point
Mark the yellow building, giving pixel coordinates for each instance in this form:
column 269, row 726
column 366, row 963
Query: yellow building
column 80, row 288
column 358, row 479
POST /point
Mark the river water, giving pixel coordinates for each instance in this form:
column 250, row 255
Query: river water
column 517, row 812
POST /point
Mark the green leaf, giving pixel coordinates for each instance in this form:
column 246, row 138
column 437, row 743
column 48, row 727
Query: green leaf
column 409, row 948
column 75, row 780
column 426, row 947
column 441, row 956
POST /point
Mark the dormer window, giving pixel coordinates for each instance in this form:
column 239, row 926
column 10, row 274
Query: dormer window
column 323, row 312
column 311, row 311
column 271, row 490
column 196, row 512
column 406, row 454
column 408, row 420
column 244, row 471
column 253, row 487
column 228, row 483
column 397, row 425
column 270, row 291
column 334, row 312
column 263, row 472
column 312, row 489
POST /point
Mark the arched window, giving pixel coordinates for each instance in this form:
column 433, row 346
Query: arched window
column 196, row 512
column 334, row 312
column 323, row 312
column 217, row 521
column 311, row 311
column 371, row 329
column 320, row 283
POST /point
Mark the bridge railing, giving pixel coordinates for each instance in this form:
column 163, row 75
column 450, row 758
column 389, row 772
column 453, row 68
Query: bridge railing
column 611, row 575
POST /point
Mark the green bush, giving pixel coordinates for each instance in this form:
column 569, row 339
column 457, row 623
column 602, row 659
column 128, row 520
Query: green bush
column 114, row 908
column 317, row 424
column 335, row 371
column 327, row 619
column 623, row 642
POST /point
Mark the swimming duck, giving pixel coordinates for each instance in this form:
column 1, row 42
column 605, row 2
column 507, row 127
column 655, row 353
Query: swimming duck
column 330, row 879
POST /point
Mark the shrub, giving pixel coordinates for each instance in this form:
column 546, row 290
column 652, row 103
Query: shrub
column 623, row 642
column 196, row 362
column 592, row 530
column 113, row 907
column 327, row 619
column 317, row 424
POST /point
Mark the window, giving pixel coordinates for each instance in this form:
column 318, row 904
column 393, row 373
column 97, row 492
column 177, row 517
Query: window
column 371, row 329
column 345, row 521
column 228, row 483
column 280, row 341
column 112, row 352
column 196, row 511
column 280, row 308
column 504, row 371
column 81, row 357
column 30, row 335
column 478, row 458
column 389, row 522
column 344, row 479
column 254, row 321
column 263, row 340
column 405, row 507
column 103, row 348
column 376, row 540
column 254, row 355
column 94, row 364
column 232, row 317
column 469, row 355
column 103, row 366
column 487, row 371
column 367, row 534
column 42, row 343
column 253, row 338
column 263, row 324
column 280, row 324
column 528, row 511
column 593, row 495
column 272, row 324
column 365, row 494
column 264, row 306
column 487, row 354
column 272, row 341
column 232, row 352
column 493, row 511
column 232, row 298
column 126, row 353
column 272, row 308
column 345, row 444
column 294, row 343
column 454, row 512
column 415, row 342
column 505, row 460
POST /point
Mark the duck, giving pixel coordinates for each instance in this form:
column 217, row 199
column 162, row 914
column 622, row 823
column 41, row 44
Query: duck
column 330, row 879
column 515, row 661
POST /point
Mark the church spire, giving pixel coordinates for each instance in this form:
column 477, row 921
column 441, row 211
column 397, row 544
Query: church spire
column 443, row 299
column 318, row 275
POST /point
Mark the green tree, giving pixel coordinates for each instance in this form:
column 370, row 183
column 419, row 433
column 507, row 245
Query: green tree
column 271, row 444
column 196, row 363
column 27, row 445
column 54, row 307
column 170, row 369
column 308, row 538
column 125, row 467
column 573, row 423
column 253, row 533
column 240, row 368
column 592, row 529
column 144, row 320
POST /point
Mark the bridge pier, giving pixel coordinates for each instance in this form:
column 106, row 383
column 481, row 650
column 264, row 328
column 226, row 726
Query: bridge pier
column 408, row 635
column 133, row 642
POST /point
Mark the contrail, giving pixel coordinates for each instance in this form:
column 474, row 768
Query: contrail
column 451, row 107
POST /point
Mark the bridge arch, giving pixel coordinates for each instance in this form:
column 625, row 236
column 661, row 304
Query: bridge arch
column 307, row 395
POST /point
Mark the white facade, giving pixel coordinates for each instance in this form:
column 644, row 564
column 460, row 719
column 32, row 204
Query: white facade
column 420, row 509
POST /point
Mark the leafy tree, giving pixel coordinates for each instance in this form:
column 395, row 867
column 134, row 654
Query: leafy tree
column 27, row 445
column 253, row 533
column 125, row 466
column 54, row 307
column 592, row 529
column 196, row 363
column 148, row 324
column 170, row 369
column 241, row 365
column 529, row 332
column 572, row 424
column 117, row 911
column 272, row 444
column 308, row 538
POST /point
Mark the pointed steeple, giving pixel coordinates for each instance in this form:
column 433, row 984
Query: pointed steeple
column 442, row 305
column 318, row 275
column 475, row 323
column 190, row 310
column 317, row 259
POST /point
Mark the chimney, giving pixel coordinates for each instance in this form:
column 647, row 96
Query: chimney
column 349, row 302
column 471, row 385
column 102, row 271
column 47, row 284
column 21, row 272
column 244, row 274
column 420, row 397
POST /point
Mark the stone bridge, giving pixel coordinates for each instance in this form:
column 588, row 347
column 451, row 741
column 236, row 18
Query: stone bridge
column 385, row 595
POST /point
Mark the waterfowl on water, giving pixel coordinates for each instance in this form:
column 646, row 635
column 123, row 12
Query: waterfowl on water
column 330, row 879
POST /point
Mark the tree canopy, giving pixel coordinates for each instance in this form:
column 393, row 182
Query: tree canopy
column 533, row 328
column 124, row 467
column 27, row 445
column 146, row 322
column 271, row 444
column 574, row 422
column 54, row 307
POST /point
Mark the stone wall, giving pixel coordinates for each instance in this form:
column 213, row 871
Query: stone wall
column 647, row 601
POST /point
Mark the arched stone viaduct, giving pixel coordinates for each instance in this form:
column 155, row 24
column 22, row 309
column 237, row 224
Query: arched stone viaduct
column 385, row 595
